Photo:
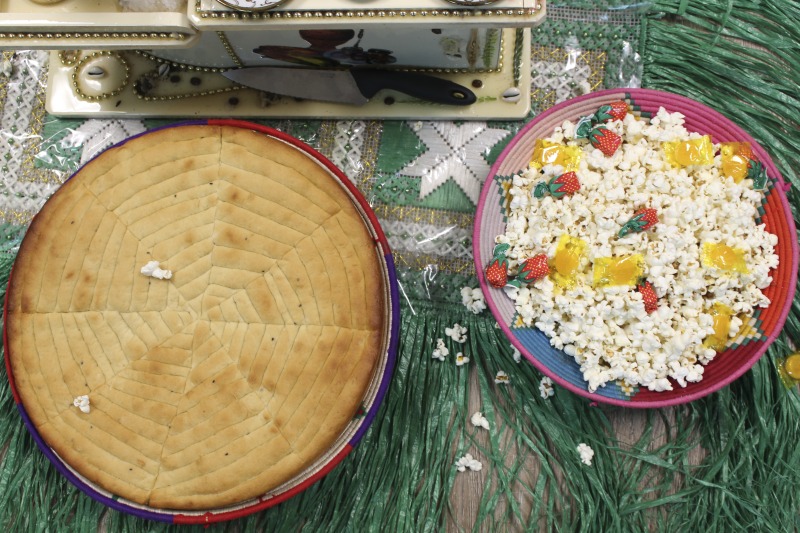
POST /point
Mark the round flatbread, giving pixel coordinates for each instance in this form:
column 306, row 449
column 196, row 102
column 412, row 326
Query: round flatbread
column 233, row 376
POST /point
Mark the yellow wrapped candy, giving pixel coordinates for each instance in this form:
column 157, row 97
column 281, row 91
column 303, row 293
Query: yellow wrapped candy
column 698, row 151
column 723, row 257
column 722, row 326
column 611, row 271
column 735, row 160
column 789, row 370
column 567, row 261
column 791, row 365
column 551, row 153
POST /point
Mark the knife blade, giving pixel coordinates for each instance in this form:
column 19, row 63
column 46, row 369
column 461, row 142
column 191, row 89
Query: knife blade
column 354, row 86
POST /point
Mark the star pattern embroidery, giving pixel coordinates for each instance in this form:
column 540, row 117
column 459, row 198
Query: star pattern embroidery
column 454, row 151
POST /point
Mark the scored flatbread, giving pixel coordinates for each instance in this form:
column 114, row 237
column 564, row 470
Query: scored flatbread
column 238, row 373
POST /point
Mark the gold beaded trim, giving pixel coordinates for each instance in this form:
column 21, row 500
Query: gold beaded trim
column 76, row 83
column 182, row 66
column 229, row 49
column 69, row 57
column 364, row 13
column 86, row 36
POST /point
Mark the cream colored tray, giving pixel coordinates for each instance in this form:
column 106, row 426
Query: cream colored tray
column 89, row 23
column 311, row 14
column 194, row 92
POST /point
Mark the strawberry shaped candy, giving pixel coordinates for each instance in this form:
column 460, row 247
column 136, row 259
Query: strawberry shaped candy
column 614, row 111
column 497, row 269
column 649, row 296
column 532, row 269
column 566, row 183
column 642, row 220
column 605, row 140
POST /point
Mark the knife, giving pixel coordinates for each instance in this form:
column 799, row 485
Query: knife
column 354, row 86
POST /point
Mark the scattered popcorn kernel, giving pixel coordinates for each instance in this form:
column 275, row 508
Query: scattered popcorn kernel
column 546, row 389
column 586, row 453
column 468, row 462
column 478, row 420
column 82, row 403
column 153, row 270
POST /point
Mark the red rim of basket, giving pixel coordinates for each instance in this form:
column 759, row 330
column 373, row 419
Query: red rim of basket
column 710, row 120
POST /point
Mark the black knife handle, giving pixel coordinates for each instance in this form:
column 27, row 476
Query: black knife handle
column 421, row 86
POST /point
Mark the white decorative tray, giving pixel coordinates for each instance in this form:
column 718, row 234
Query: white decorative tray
column 180, row 90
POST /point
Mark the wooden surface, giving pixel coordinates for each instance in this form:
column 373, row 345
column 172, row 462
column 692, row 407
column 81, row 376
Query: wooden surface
column 628, row 424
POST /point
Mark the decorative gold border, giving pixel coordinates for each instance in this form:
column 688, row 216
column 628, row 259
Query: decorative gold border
column 365, row 13
column 153, row 36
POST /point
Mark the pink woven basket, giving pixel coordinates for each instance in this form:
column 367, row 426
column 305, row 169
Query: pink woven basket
column 755, row 335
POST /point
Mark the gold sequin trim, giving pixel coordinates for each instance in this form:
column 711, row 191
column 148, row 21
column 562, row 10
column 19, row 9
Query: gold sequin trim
column 423, row 215
column 449, row 265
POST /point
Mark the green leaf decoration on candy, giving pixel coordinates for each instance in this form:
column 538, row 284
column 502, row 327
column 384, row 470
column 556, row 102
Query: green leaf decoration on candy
column 642, row 220
column 584, row 127
column 758, row 173
column 558, row 186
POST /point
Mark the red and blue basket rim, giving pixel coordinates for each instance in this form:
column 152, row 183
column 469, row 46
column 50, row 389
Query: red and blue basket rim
column 534, row 345
column 358, row 428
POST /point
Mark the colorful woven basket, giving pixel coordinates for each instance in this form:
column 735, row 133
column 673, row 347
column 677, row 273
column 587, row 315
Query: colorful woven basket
column 754, row 337
column 349, row 437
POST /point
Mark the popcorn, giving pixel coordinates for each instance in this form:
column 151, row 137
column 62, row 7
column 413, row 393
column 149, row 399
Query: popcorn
column 468, row 462
column 705, row 249
column 458, row 333
column 501, row 378
column 586, row 453
column 515, row 354
column 473, row 299
column 82, row 403
column 441, row 351
column 461, row 359
column 478, row 420
column 153, row 270
column 546, row 389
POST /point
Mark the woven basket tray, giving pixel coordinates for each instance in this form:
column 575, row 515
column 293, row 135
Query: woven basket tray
column 755, row 336
column 240, row 355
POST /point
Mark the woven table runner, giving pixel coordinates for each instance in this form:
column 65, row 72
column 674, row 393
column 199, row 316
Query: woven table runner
column 727, row 462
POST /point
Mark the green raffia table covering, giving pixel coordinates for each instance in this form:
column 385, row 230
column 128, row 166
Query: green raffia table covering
column 728, row 462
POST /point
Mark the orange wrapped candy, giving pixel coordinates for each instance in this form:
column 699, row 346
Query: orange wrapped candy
column 698, row 151
column 735, row 158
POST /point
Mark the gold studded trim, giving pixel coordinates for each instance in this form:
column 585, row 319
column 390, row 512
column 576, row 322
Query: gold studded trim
column 94, row 36
column 229, row 49
column 366, row 13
